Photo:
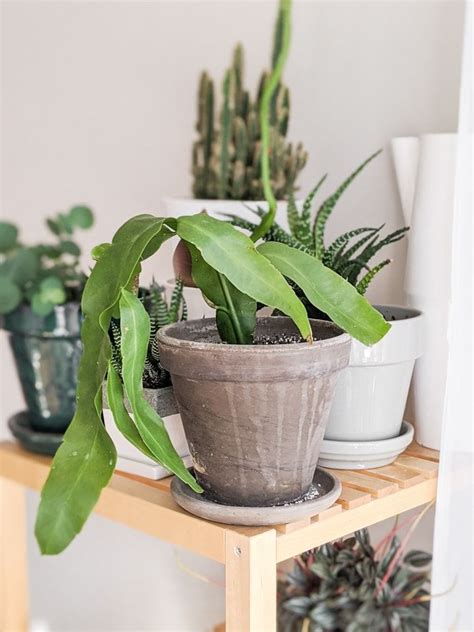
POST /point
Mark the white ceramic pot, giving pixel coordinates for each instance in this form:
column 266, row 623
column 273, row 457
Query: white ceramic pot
column 371, row 393
column 425, row 170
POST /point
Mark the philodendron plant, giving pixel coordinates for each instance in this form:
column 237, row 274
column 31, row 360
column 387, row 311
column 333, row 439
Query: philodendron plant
column 349, row 254
column 235, row 273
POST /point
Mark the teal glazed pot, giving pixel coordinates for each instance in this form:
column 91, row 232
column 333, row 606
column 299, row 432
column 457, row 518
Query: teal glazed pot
column 47, row 352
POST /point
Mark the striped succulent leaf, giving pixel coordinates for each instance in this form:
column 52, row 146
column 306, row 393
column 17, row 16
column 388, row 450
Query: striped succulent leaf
column 303, row 228
column 364, row 283
column 335, row 250
column 328, row 205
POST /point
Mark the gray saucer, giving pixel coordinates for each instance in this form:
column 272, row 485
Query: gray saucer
column 365, row 455
column 33, row 440
column 324, row 492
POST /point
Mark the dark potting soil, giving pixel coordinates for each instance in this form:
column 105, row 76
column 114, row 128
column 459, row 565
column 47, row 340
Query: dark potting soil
column 278, row 339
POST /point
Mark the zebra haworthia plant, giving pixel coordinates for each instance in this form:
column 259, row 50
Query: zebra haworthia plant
column 235, row 274
column 160, row 315
column 350, row 254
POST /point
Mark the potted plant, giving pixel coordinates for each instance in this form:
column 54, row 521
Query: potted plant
column 235, row 273
column 349, row 586
column 371, row 395
column 40, row 293
column 226, row 155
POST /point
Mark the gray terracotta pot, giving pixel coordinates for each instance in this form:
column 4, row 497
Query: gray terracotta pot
column 254, row 415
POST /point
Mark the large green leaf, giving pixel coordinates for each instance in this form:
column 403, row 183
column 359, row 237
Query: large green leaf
column 235, row 311
column 234, row 255
column 85, row 461
column 328, row 291
column 135, row 329
column 122, row 419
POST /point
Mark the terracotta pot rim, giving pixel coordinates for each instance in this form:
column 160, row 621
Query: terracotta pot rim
column 165, row 336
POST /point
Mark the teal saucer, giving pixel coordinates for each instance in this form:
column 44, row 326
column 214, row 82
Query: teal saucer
column 33, row 440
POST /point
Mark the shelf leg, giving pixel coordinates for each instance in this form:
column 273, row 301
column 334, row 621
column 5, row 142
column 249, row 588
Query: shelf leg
column 13, row 558
column 250, row 594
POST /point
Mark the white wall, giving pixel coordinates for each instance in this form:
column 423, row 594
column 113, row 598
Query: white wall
column 99, row 106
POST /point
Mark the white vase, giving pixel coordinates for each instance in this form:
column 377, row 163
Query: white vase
column 425, row 169
column 371, row 392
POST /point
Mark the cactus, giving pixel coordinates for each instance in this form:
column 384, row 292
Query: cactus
column 160, row 314
column 346, row 257
column 226, row 159
column 44, row 275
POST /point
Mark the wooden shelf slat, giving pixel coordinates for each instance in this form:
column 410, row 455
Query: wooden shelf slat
column 402, row 476
column 376, row 487
column 351, row 498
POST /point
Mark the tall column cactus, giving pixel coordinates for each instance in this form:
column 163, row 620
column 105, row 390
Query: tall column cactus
column 226, row 157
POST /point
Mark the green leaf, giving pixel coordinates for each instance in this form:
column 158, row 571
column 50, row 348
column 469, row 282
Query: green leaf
column 135, row 328
column 40, row 304
column 70, row 248
column 235, row 312
column 8, row 236
column 10, row 296
column 234, row 255
column 24, row 266
column 328, row 205
column 98, row 251
column 52, row 290
column 328, row 292
column 418, row 559
column 303, row 228
column 122, row 419
column 85, row 461
column 53, row 226
column 81, row 217
column 366, row 280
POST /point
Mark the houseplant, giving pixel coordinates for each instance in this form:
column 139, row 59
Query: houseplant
column 371, row 394
column 235, row 274
column 349, row 586
column 40, row 292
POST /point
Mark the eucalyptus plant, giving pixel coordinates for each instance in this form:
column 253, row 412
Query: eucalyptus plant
column 350, row 254
column 348, row 586
column 235, row 273
column 160, row 315
column 43, row 275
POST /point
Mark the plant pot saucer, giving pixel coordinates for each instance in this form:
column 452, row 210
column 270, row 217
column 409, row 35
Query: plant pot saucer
column 363, row 455
column 33, row 440
column 324, row 492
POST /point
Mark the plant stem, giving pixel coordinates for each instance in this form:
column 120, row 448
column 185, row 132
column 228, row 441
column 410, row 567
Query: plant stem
column 231, row 310
column 270, row 87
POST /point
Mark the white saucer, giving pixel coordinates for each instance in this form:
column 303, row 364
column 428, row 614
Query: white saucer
column 364, row 455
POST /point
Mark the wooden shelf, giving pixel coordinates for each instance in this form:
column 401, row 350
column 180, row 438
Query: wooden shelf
column 249, row 554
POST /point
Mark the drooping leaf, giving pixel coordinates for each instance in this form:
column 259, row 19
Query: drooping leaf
column 235, row 311
column 328, row 292
column 86, row 459
column 234, row 255
column 135, row 329
column 122, row 419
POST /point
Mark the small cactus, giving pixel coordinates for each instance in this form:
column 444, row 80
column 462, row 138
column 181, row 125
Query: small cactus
column 226, row 158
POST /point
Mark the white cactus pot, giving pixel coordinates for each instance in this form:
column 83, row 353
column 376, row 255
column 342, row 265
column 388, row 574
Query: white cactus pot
column 372, row 391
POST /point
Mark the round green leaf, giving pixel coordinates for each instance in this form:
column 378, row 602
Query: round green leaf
column 8, row 236
column 81, row 216
column 10, row 296
column 40, row 305
column 65, row 223
column 70, row 248
column 25, row 266
column 52, row 290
